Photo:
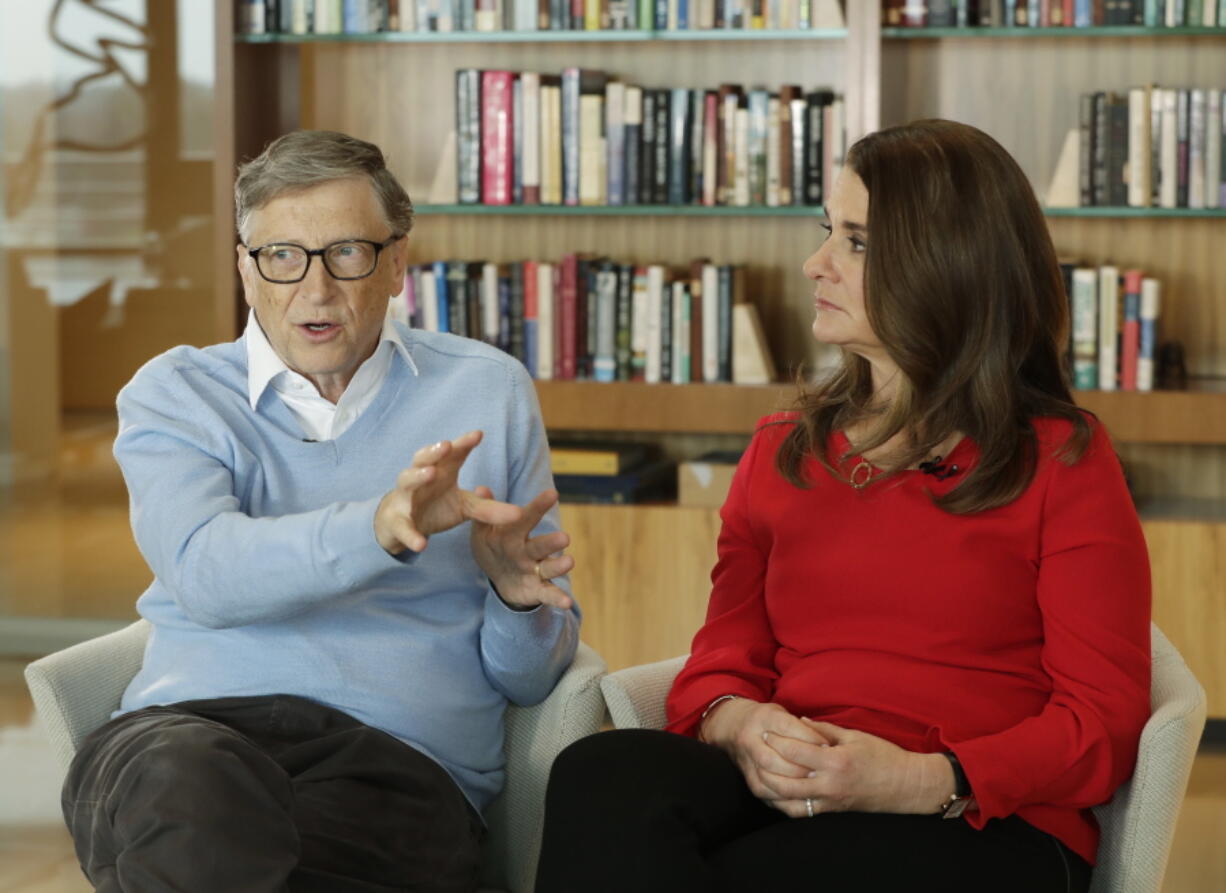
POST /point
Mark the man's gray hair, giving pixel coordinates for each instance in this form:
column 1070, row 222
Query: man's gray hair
column 306, row 158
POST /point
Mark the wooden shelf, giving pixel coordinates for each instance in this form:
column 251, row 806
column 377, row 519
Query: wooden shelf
column 634, row 406
column 1024, row 31
column 1114, row 211
column 1161, row 417
column 1195, row 417
column 569, row 36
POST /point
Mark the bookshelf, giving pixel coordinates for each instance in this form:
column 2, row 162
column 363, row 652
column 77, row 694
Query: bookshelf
column 641, row 599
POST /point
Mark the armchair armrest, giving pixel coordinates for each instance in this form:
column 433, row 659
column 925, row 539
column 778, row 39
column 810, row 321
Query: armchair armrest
column 534, row 737
column 76, row 690
column 636, row 695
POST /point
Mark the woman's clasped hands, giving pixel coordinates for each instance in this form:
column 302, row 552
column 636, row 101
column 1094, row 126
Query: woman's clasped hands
column 803, row 767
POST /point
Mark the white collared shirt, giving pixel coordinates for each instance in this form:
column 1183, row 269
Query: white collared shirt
column 320, row 418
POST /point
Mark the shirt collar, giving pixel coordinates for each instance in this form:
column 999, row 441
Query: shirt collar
column 263, row 363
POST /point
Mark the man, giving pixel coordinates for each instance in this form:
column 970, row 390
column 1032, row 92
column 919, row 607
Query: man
column 320, row 705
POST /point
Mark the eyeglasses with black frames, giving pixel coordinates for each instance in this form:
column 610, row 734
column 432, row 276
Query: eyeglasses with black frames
column 284, row 263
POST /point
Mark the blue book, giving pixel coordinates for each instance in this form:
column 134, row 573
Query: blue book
column 440, row 288
column 354, row 17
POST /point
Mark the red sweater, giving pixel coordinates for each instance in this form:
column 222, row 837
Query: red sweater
column 1017, row 637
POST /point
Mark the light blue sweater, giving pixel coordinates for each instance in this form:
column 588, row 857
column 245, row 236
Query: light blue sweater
column 268, row 578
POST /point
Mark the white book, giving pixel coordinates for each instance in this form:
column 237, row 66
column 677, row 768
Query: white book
column 300, row 19
column 408, row 16
column 1213, row 150
column 1085, row 328
column 740, row 189
column 429, row 301
column 526, row 15
column 1169, row 164
column 544, row 321
column 655, row 301
column 1210, row 14
column 1151, row 306
column 710, row 322
column 681, row 334
column 530, row 87
column 1108, row 327
column 1139, row 191
column 772, row 152
column 489, row 303
column 1196, row 150
column 592, row 186
column 1173, row 10
column 638, row 323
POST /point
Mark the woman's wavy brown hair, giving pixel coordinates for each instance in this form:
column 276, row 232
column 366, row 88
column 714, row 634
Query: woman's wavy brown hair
column 963, row 289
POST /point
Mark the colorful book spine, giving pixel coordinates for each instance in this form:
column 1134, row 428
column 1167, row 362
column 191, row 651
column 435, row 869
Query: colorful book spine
column 496, row 137
column 1151, row 306
column 1130, row 334
column 546, row 321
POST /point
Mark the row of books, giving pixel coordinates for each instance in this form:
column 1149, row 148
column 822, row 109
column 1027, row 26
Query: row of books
column 1114, row 338
column 1053, row 13
column 1152, row 147
column 582, row 138
column 595, row 318
column 374, row 16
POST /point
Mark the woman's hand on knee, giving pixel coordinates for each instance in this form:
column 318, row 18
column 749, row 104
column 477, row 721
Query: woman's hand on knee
column 744, row 729
column 857, row 772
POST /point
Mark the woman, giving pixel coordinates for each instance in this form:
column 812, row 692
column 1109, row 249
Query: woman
column 932, row 594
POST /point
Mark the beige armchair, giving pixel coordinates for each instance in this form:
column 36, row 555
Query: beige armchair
column 77, row 689
column 1138, row 823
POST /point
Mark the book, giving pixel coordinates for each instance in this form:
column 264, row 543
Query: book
column 623, row 310
column 1130, row 333
column 496, row 137
column 751, row 355
column 468, row 136
column 546, row 321
column 604, row 366
column 653, row 481
column 1084, row 299
column 530, row 127
column 597, row 457
column 615, row 142
column 1108, row 327
column 632, row 123
column 1147, row 351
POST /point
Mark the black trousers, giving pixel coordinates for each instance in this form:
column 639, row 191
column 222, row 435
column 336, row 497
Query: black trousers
column 250, row 795
column 651, row 811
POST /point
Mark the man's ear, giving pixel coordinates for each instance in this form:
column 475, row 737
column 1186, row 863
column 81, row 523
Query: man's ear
column 400, row 260
column 244, row 264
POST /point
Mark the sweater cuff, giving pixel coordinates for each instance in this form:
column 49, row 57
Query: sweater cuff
column 355, row 553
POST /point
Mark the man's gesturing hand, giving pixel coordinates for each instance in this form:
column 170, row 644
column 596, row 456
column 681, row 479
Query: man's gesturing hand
column 427, row 500
column 520, row 566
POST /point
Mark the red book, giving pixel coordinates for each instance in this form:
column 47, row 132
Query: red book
column 1130, row 337
column 567, row 298
column 497, row 137
column 1069, row 13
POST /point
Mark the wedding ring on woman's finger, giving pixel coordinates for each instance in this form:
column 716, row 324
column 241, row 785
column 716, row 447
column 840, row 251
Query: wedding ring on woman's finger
column 540, row 574
column 809, row 805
